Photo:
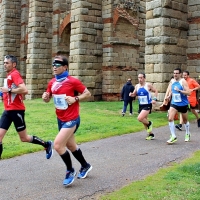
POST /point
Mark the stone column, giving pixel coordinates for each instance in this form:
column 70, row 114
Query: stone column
column 166, row 41
column 24, row 39
column 39, row 50
column 10, row 31
column 193, row 51
column 86, row 44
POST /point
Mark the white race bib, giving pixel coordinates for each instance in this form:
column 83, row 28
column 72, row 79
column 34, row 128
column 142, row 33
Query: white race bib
column 60, row 102
column 5, row 83
column 143, row 100
column 177, row 97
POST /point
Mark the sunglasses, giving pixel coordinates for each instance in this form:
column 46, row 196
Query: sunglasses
column 57, row 65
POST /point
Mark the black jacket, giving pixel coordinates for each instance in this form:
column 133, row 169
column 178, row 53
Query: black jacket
column 127, row 88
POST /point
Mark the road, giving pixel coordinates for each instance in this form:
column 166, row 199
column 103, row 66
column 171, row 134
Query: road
column 116, row 161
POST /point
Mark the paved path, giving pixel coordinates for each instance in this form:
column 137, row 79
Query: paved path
column 116, row 161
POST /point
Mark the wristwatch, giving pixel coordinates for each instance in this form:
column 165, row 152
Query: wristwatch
column 76, row 98
column 9, row 90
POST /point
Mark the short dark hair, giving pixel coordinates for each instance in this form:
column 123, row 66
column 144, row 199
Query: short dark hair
column 188, row 73
column 144, row 75
column 12, row 58
column 178, row 69
column 64, row 58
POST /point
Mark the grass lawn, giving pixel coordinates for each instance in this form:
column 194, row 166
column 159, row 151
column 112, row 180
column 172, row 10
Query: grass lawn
column 178, row 182
column 98, row 120
column 101, row 120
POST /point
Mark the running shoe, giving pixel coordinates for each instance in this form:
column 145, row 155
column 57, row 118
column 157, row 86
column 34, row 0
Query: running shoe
column 179, row 127
column 84, row 171
column 187, row 137
column 150, row 137
column 69, row 178
column 150, row 127
column 172, row 140
column 123, row 114
column 49, row 150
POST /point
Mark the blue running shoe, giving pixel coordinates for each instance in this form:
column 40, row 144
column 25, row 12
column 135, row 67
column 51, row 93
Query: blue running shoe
column 69, row 178
column 49, row 149
column 84, row 171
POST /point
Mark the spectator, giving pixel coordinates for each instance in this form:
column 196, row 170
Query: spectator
column 127, row 88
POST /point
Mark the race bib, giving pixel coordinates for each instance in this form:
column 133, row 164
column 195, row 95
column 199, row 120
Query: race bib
column 143, row 99
column 5, row 83
column 60, row 102
column 177, row 97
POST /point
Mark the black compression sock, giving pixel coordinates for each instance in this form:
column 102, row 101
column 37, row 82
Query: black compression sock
column 1, row 149
column 67, row 160
column 149, row 124
column 37, row 140
column 79, row 156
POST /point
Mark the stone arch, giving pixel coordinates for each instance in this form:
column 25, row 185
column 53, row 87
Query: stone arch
column 65, row 22
column 64, row 33
column 122, row 13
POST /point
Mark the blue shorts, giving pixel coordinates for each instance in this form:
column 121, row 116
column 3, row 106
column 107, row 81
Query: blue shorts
column 69, row 124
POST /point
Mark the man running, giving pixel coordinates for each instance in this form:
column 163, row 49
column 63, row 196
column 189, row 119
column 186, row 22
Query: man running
column 178, row 89
column 193, row 86
column 143, row 91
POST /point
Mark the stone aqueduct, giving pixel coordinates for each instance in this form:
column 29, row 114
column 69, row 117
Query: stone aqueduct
column 106, row 41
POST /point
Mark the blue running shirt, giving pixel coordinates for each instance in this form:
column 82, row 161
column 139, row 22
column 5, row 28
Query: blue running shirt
column 178, row 98
column 144, row 96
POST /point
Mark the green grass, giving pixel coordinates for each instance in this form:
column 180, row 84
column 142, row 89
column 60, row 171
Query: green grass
column 98, row 120
column 101, row 120
column 178, row 182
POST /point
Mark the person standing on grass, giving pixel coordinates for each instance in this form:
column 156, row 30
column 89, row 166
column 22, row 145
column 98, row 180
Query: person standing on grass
column 143, row 92
column 194, row 87
column 179, row 90
column 127, row 88
column 13, row 91
column 64, row 90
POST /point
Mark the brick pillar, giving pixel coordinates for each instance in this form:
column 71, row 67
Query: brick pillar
column 24, row 39
column 10, row 31
column 193, row 51
column 39, row 50
column 166, row 41
column 86, row 44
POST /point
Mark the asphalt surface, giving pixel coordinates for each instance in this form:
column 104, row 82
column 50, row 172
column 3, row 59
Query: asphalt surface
column 116, row 162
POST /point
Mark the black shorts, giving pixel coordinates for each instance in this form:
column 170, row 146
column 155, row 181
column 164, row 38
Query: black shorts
column 145, row 107
column 193, row 107
column 181, row 109
column 15, row 116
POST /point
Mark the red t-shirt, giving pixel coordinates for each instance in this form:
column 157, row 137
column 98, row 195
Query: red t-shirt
column 70, row 86
column 13, row 101
column 192, row 98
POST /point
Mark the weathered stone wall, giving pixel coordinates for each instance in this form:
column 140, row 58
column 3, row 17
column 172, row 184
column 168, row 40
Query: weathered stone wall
column 9, row 31
column 193, row 51
column 39, row 52
column 24, row 36
column 86, row 44
column 123, row 45
column 106, row 41
column 166, row 41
